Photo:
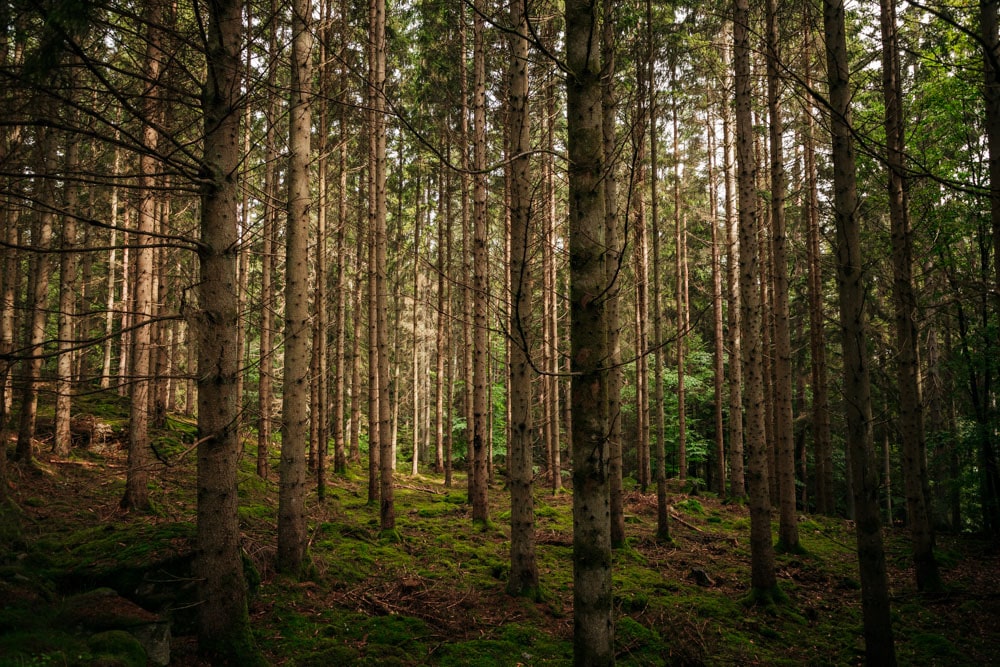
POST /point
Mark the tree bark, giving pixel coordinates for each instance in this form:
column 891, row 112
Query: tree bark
column 593, row 620
column 523, row 567
column 223, row 624
column 788, row 525
column 879, row 648
column 762, row 576
column 911, row 415
column 292, row 536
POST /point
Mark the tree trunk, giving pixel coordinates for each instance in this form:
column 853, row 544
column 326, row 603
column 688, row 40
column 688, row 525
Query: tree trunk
column 381, row 382
column 718, row 336
column 879, row 646
column 223, row 625
column 68, row 263
column 292, row 536
column 523, row 567
column 788, row 524
column 612, row 269
column 737, row 479
column 136, row 492
column 762, row 576
column 593, row 620
column 822, row 448
column 911, row 417
column 478, row 474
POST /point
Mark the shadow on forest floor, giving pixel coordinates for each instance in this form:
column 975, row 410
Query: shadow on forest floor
column 436, row 596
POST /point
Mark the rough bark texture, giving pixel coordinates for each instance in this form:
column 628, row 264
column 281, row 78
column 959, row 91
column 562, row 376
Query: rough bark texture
column 762, row 577
column 788, row 525
column 292, row 536
column 911, row 415
column 479, row 474
column 612, row 269
column 223, row 624
column 136, row 492
column 879, row 646
column 68, row 263
column 822, row 449
column 593, row 629
column 523, row 567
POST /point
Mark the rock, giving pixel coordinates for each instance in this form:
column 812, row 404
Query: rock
column 103, row 610
column 701, row 577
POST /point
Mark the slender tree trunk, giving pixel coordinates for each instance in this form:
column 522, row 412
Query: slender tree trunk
column 680, row 241
column 68, row 285
column 136, row 492
column 593, row 630
column 223, row 625
column 718, row 335
column 612, row 268
column 879, row 646
column 523, row 567
column 551, row 292
column 38, row 291
column 478, row 475
column 788, row 525
column 379, row 286
column 762, row 576
column 911, row 417
column 823, row 450
column 292, row 537
column 737, row 480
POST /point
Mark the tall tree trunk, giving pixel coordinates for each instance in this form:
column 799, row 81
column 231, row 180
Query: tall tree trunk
column 136, row 492
column 382, row 417
column 223, row 625
column 268, row 297
column 718, row 335
column 762, row 576
column 478, row 474
column 788, row 525
column 879, row 646
column 656, row 305
column 292, row 537
column 911, row 416
column 680, row 241
column 612, row 269
column 823, row 450
column 68, row 285
column 523, row 567
column 36, row 302
column 551, row 291
column 593, row 619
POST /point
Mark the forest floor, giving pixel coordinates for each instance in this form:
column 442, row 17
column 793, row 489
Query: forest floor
column 434, row 593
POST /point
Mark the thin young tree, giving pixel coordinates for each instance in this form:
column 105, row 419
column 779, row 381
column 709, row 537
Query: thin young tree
column 879, row 647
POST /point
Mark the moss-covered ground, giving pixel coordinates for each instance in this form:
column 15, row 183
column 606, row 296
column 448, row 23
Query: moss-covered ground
column 433, row 593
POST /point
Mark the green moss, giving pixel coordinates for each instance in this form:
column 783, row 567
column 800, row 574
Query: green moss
column 117, row 647
column 691, row 506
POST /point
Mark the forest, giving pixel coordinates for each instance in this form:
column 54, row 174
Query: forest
column 460, row 332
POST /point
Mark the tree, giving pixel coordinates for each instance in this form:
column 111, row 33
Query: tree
column 136, row 492
column 911, row 415
column 879, row 647
column 523, row 568
column 762, row 577
column 593, row 622
column 292, row 536
column 223, row 623
column 788, row 531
